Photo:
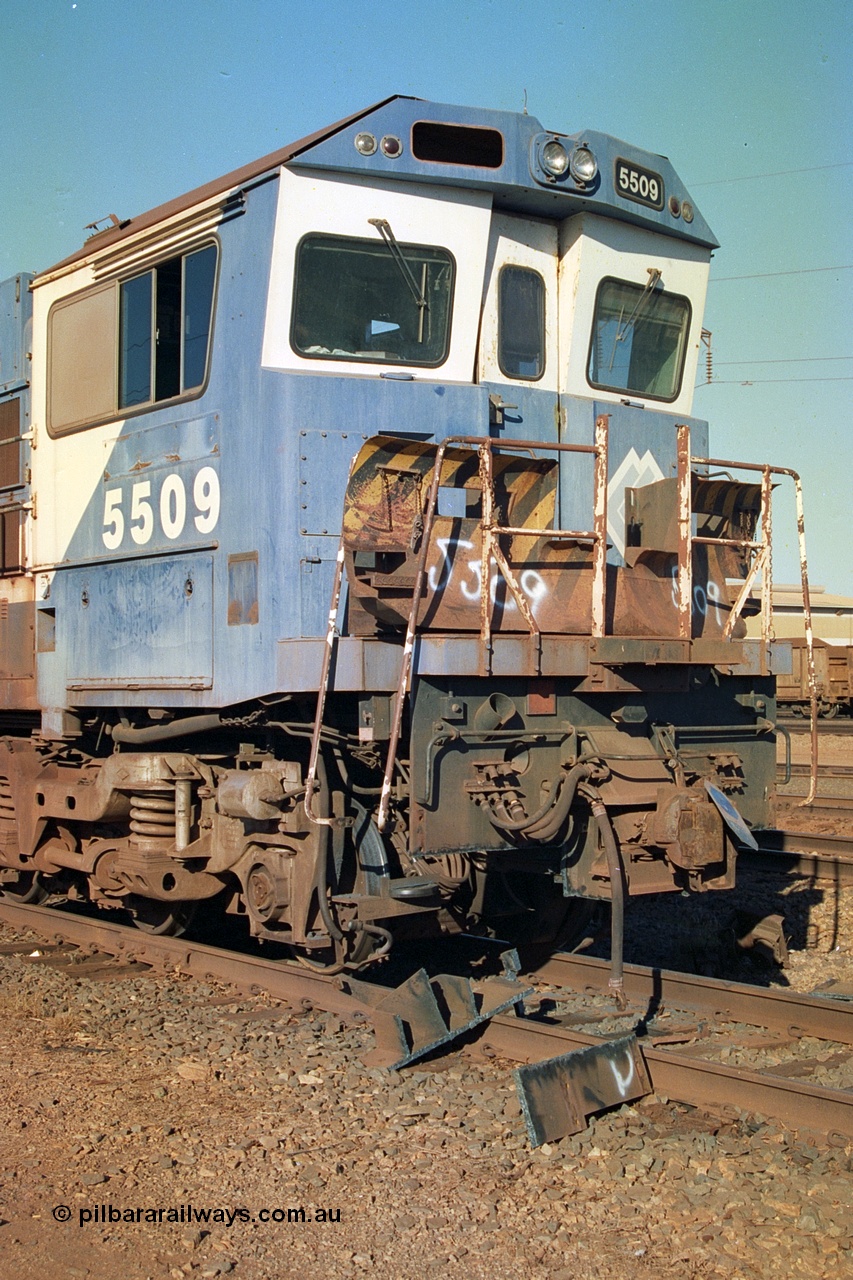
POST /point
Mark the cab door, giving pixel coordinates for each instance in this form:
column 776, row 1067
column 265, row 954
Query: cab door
column 519, row 349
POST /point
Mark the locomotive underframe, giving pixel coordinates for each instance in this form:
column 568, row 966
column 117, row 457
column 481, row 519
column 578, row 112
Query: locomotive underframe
column 491, row 814
column 592, row 757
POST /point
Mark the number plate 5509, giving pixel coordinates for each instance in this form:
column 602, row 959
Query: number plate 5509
column 642, row 185
column 164, row 510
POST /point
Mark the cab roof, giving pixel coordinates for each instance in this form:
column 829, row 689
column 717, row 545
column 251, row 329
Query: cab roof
column 507, row 163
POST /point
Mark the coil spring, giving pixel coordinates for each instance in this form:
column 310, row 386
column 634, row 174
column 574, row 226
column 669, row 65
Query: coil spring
column 7, row 806
column 152, row 815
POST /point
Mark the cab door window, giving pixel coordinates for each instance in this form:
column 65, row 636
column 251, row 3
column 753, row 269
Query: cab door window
column 164, row 319
column 521, row 323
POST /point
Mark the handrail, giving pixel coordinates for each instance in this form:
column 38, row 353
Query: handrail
column 490, row 550
column 763, row 563
column 759, row 549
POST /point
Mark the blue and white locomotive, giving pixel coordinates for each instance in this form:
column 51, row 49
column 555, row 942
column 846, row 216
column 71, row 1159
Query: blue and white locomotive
column 363, row 568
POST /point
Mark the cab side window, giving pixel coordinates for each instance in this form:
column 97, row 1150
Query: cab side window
column 131, row 344
column 362, row 300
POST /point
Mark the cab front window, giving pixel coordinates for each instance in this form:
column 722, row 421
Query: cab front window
column 361, row 300
column 639, row 340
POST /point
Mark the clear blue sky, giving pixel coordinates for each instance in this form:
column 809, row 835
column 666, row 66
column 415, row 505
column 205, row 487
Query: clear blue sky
column 116, row 106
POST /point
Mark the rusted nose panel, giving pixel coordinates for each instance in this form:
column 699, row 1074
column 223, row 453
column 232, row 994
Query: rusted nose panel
column 387, row 492
column 546, row 581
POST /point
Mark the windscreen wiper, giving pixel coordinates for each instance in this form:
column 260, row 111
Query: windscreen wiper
column 417, row 290
column 623, row 327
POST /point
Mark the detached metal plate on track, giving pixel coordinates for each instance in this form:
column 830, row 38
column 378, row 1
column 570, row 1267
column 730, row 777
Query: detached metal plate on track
column 558, row 1094
column 426, row 1013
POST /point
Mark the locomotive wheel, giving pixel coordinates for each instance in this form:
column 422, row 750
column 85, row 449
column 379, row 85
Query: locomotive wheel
column 544, row 918
column 165, row 919
column 579, row 923
column 27, row 888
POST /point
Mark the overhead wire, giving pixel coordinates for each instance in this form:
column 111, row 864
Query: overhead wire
column 748, row 382
column 789, row 360
column 765, row 275
column 780, row 173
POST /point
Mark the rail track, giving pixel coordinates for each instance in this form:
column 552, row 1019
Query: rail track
column 824, row 857
column 834, row 797
column 683, row 1020
column 720, row 1016
column 840, row 726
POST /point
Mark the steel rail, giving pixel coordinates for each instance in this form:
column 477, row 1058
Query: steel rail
column 830, row 808
column 824, row 857
column 730, row 1001
column 834, row 807
column 799, row 725
column 826, row 770
column 685, row 1079
column 291, row 983
column 522, row 1038
column 812, row 865
column 806, row 842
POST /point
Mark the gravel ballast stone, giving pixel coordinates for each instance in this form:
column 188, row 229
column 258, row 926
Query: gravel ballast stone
column 150, row 1094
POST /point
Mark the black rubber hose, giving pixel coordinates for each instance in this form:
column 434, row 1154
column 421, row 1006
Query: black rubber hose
column 617, row 897
column 549, row 829
column 160, row 732
column 521, row 824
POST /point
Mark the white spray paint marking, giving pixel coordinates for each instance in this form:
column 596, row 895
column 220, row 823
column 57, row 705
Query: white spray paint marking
column 623, row 1082
column 532, row 583
column 703, row 598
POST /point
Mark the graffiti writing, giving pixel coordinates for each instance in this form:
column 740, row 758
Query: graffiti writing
column 470, row 575
column 704, row 598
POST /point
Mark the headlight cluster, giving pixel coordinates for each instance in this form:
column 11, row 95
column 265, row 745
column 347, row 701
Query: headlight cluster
column 390, row 145
column 557, row 160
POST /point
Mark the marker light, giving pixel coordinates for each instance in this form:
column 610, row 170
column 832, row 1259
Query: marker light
column 365, row 144
column 687, row 211
column 555, row 159
column 584, row 165
column 391, row 147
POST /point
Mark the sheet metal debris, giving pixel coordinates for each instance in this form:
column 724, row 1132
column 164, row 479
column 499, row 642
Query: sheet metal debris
column 763, row 934
column 425, row 1013
column 558, row 1094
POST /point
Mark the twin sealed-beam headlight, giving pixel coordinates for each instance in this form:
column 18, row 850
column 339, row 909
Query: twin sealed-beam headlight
column 554, row 158
column 583, row 165
column 557, row 160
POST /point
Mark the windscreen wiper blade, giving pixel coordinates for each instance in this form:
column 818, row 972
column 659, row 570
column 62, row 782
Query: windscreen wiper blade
column 623, row 327
column 383, row 226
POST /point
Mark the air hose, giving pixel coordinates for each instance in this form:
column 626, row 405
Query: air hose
column 617, row 892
